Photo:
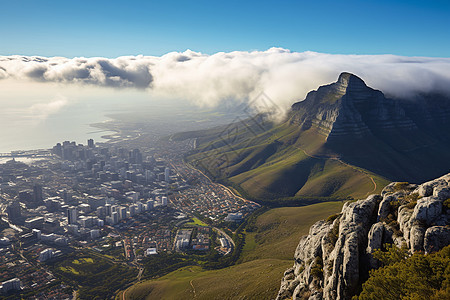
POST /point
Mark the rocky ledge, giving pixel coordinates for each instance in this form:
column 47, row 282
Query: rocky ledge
column 334, row 259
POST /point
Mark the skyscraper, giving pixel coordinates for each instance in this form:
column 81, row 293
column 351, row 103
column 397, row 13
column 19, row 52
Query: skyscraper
column 37, row 194
column 167, row 175
column 13, row 211
column 72, row 215
column 91, row 143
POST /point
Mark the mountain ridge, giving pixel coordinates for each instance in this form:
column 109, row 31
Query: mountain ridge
column 391, row 139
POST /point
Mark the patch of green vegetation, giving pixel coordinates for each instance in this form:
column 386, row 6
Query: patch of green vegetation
column 402, row 277
column 411, row 205
column 250, row 280
column 196, row 222
column 69, row 269
column 317, row 268
column 84, row 260
column 334, row 233
column 276, row 232
column 95, row 280
column 271, row 237
column 331, row 218
column 400, row 186
column 446, row 204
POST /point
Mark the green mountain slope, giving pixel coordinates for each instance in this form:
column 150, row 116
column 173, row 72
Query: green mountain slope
column 266, row 255
column 345, row 139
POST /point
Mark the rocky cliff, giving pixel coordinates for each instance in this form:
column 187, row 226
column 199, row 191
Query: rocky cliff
column 349, row 107
column 334, row 259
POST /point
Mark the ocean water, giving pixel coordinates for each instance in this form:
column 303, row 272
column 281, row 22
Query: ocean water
column 37, row 116
column 21, row 129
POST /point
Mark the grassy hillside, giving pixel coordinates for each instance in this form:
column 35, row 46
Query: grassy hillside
column 276, row 233
column 269, row 248
column 255, row 280
column 280, row 161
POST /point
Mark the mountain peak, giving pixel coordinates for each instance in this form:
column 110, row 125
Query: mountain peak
column 347, row 80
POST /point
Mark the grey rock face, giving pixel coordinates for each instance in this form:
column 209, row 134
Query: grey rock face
column 362, row 229
column 436, row 238
column 427, row 210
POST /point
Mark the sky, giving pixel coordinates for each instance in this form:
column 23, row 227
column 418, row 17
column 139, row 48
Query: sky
column 117, row 28
column 66, row 64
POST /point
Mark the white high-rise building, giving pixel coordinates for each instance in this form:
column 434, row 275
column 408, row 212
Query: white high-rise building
column 167, row 175
column 123, row 213
column 164, row 201
column 115, row 217
column 45, row 255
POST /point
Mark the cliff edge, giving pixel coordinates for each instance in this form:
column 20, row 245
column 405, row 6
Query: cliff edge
column 335, row 258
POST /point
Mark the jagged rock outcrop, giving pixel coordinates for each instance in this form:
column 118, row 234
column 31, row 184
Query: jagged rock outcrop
column 334, row 259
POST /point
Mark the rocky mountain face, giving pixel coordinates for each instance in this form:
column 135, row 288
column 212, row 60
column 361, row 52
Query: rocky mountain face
column 334, row 259
column 349, row 107
column 329, row 143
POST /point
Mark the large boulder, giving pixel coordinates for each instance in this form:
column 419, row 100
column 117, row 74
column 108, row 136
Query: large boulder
column 427, row 210
column 345, row 247
column 436, row 238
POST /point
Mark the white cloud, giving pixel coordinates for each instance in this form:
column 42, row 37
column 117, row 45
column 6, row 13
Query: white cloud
column 41, row 111
column 208, row 80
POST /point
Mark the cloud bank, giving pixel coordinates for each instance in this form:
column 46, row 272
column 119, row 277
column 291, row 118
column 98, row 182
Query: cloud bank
column 42, row 111
column 208, row 80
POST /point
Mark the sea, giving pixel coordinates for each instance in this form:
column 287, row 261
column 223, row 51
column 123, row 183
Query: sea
column 30, row 124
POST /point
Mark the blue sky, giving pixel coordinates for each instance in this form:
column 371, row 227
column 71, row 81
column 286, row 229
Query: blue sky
column 115, row 28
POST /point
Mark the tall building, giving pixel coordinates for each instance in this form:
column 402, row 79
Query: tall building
column 164, row 201
column 149, row 205
column 91, row 143
column 12, row 284
column 72, row 215
column 45, row 254
column 167, row 175
column 37, row 194
column 115, row 217
column 13, row 211
column 123, row 213
column 67, row 196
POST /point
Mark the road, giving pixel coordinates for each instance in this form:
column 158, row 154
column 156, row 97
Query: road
column 227, row 237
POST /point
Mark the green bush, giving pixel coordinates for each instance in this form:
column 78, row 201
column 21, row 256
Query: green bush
column 411, row 205
column 331, row 218
column 446, row 204
column 417, row 277
column 317, row 268
column 400, row 186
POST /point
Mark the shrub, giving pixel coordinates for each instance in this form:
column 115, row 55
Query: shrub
column 417, row 277
column 334, row 233
column 317, row 268
column 446, row 204
column 411, row 205
column 399, row 186
column 331, row 218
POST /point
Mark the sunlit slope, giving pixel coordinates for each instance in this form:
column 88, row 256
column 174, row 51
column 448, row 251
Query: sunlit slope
column 281, row 161
column 268, row 251
column 342, row 140
column 258, row 279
